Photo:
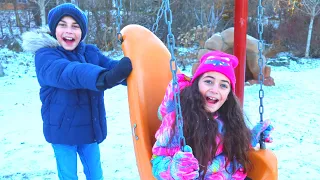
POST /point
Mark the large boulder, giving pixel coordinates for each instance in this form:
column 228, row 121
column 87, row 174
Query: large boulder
column 224, row 41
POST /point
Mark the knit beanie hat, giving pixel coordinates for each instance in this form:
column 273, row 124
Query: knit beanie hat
column 67, row 9
column 219, row 62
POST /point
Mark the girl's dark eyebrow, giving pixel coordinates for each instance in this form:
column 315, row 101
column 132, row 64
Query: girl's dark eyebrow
column 215, row 78
column 226, row 81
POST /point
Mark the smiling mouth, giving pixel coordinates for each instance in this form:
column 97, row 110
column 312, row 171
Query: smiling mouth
column 68, row 39
column 212, row 100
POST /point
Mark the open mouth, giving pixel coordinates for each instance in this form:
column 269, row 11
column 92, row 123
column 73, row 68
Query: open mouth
column 212, row 100
column 68, row 39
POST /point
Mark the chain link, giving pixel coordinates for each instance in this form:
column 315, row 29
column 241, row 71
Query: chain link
column 261, row 64
column 173, row 69
column 118, row 4
column 159, row 16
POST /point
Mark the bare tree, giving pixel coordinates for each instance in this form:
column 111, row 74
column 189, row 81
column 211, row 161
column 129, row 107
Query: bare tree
column 210, row 13
column 312, row 9
column 75, row 2
column 10, row 27
column 1, row 70
column 42, row 6
column 18, row 21
column 210, row 18
column 1, row 29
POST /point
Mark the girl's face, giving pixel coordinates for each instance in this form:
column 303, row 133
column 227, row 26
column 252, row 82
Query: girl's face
column 68, row 33
column 214, row 88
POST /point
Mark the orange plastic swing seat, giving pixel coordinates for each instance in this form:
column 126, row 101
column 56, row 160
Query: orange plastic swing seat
column 146, row 88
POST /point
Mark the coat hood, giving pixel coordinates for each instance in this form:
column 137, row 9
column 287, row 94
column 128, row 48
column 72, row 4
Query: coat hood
column 35, row 40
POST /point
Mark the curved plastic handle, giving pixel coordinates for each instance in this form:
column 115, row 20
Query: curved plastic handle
column 134, row 131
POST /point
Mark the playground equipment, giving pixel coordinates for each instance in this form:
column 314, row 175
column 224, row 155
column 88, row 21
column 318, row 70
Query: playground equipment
column 152, row 70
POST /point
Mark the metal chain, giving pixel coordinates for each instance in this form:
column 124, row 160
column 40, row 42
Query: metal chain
column 118, row 4
column 173, row 69
column 261, row 64
column 159, row 15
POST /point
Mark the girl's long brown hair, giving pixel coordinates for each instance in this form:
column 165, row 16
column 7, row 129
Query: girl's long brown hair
column 200, row 129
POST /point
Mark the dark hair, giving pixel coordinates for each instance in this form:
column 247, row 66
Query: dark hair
column 201, row 130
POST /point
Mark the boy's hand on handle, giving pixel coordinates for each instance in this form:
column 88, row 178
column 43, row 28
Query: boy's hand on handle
column 184, row 165
column 119, row 73
column 264, row 127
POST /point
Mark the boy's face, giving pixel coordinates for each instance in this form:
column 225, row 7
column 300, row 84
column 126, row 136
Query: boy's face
column 68, row 33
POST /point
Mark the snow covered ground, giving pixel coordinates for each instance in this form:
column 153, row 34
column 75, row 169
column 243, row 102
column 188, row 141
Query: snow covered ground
column 292, row 105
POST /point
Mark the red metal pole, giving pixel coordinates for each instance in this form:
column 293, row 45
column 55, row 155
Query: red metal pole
column 240, row 40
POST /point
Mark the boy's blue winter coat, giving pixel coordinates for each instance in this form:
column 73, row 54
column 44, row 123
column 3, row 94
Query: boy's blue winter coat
column 72, row 109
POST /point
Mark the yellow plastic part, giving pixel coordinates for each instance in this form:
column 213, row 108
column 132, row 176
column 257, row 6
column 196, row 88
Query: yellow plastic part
column 146, row 88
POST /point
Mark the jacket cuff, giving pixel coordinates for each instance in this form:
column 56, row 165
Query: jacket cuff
column 100, row 84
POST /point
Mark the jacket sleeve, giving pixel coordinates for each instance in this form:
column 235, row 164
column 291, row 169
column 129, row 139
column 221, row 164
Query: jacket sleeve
column 109, row 64
column 106, row 62
column 162, row 150
column 54, row 70
column 168, row 104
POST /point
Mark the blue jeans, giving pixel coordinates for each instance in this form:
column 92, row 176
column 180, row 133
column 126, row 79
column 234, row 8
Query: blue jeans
column 66, row 157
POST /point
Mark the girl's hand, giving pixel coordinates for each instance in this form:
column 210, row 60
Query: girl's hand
column 184, row 165
column 264, row 127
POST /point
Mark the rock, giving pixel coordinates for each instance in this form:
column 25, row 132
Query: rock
column 224, row 41
column 281, row 61
column 268, row 81
column 14, row 45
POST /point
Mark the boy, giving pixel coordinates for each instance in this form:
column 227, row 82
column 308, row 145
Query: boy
column 73, row 77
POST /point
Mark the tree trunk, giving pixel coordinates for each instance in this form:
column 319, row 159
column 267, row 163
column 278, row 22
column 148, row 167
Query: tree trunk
column 1, row 71
column 18, row 22
column 110, row 38
column 10, row 27
column 75, row 2
column 42, row 7
column 29, row 20
column 309, row 36
column 1, row 29
column 35, row 10
column 98, row 40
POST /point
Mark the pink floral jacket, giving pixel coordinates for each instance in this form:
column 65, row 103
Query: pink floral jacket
column 162, row 153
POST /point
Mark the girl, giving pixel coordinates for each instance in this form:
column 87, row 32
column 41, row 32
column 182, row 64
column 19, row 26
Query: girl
column 213, row 126
column 73, row 77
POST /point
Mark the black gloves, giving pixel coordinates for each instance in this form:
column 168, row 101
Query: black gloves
column 116, row 75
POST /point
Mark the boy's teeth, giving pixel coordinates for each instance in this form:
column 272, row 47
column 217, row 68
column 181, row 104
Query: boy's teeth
column 68, row 38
